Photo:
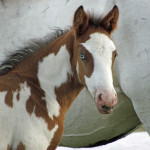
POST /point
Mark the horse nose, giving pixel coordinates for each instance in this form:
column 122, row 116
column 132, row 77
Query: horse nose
column 107, row 101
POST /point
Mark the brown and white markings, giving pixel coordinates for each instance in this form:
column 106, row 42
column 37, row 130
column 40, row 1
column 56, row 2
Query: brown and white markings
column 38, row 85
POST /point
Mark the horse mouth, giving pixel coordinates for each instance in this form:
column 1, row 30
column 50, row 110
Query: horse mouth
column 104, row 109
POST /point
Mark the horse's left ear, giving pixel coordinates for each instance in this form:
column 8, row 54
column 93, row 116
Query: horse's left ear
column 109, row 22
column 80, row 21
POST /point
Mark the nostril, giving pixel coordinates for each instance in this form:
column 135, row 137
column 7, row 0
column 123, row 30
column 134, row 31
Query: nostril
column 100, row 96
column 100, row 100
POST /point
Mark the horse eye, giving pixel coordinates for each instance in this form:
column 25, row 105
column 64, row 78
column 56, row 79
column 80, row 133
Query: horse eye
column 82, row 56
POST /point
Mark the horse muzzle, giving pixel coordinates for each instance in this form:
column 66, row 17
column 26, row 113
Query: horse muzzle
column 105, row 101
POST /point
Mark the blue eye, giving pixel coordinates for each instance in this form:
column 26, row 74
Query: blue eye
column 82, row 56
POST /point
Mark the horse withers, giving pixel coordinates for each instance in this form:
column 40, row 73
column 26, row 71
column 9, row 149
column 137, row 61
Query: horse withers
column 39, row 83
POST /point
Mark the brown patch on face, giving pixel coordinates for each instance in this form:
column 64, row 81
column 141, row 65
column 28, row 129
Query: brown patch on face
column 21, row 146
column 113, row 59
column 86, row 66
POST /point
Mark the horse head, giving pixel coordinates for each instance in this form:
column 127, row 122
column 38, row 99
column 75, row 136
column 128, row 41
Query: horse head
column 94, row 54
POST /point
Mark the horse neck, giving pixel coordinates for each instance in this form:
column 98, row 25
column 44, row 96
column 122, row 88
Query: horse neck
column 54, row 69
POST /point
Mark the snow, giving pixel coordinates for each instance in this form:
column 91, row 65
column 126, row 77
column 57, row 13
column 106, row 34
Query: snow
column 134, row 141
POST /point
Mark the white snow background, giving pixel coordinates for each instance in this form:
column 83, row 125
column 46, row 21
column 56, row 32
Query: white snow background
column 134, row 141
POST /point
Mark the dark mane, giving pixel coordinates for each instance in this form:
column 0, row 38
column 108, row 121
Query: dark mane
column 13, row 59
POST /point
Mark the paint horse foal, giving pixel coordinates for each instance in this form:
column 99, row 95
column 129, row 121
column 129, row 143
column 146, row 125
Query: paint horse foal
column 38, row 85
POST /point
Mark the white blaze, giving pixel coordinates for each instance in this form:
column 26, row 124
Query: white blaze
column 101, row 47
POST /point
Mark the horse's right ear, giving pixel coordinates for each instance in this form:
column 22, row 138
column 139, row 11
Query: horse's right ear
column 80, row 21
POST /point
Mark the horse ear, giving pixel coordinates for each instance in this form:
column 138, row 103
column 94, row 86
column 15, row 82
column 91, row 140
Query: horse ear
column 109, row 22
column 80, row 21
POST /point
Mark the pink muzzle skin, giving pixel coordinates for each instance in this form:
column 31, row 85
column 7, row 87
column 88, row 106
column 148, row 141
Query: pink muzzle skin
column 105, row 101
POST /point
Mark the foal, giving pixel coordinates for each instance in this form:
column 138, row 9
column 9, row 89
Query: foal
column 37, row 86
